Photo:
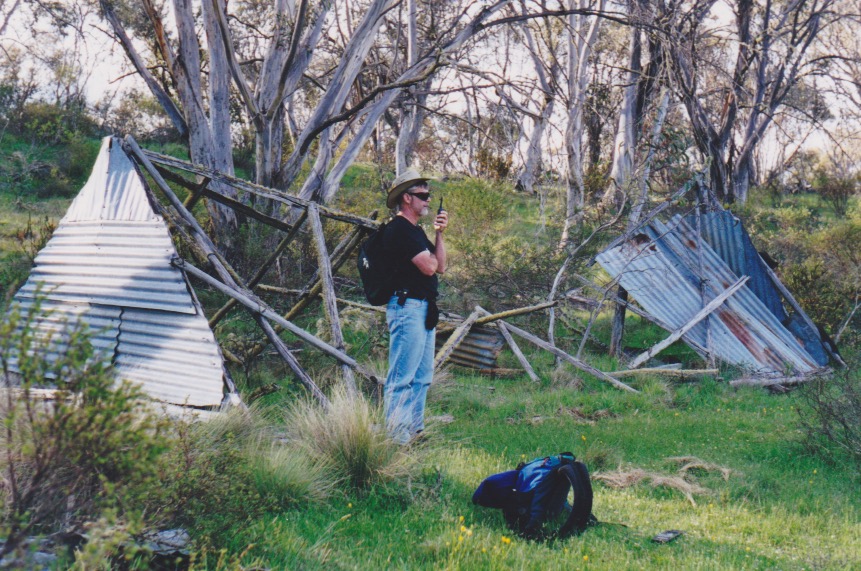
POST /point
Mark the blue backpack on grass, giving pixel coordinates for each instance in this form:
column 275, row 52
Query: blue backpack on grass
column 534, row 497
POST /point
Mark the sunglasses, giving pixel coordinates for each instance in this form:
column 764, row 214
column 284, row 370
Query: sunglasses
column 424, row 196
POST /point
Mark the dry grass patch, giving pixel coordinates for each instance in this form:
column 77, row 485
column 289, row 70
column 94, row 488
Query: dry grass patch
column 692, row 463
column 628, row 478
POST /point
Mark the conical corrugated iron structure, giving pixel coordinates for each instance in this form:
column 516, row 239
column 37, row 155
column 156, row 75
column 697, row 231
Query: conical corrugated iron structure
column 108, row 264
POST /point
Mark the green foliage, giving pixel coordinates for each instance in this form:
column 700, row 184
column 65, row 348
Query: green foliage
column 810, row 284
column 93, row 446
column 835, row 189
column 230, row 469
column 503, row 270
column 493, row 165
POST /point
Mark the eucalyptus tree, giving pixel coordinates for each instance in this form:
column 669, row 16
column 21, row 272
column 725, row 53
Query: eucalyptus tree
column 544, row 47
column 734, row 76
column 582, row 32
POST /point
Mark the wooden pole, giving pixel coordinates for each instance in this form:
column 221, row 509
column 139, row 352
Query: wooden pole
column 491, row 317
column 330, row 306
column 566, row 357
column 255, row 279
column 455, row 339
column 348, row 243
column 503, row 329
column 823, row 373
column 677, row 334
column 257, row 190
column 291, row 361
column 341, row 301
column 306, row 298
column 681, row 373
column 196, row 194
column 258, row 306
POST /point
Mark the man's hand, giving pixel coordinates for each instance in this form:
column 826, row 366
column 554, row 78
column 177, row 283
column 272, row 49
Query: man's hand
column 440, row 223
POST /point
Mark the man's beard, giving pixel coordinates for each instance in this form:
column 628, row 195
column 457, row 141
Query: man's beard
column 424, row 211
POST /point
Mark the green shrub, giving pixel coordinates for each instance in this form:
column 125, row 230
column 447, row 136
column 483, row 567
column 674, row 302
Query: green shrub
column 830, row 416
column 820, row 296
column 92, row 446
column 230, row 469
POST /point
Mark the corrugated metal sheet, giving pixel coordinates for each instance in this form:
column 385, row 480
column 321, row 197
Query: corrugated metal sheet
column 183, row 349
column 478, row 350
column 123, row 264
column 728, row 238
column 114, row 190
column 659, row 268
column 55, row 321
column 108, row 264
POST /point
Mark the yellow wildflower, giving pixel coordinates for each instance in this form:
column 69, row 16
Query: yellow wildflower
column 506, row 540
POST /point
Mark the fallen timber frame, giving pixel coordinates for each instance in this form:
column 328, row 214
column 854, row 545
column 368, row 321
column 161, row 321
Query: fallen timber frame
column 230, row 282
column 308, row 216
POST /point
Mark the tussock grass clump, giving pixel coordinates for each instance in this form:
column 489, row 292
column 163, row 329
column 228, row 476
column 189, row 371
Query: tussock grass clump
column 232, row 467
column 349, row 437
column 692, row 463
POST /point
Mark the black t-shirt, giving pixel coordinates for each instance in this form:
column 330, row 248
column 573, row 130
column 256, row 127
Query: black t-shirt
column 402, row 241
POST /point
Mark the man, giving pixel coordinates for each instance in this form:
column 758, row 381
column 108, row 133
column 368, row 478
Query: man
column 411, row 313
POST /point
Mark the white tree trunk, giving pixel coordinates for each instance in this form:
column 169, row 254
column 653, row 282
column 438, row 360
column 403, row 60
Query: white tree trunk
column 624, row 144
column 581, row 38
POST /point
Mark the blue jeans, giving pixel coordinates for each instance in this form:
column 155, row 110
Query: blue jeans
column 411, row 354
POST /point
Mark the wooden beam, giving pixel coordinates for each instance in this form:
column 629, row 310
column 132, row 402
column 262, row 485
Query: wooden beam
column 459, row 334
column 503, row 329
column 306, row 298
column 261, row 271
column 196, row 194
column 258, row 306
column 247, row 210
column 569, row 358
column 491, row 317
column 330, row 305
column 195, row 189
column 678, row 333
column 291, row 361
column 257, row 190
column 823, row 373
column 680, row 373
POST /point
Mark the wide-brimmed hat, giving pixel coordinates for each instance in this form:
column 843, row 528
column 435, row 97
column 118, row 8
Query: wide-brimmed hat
column 402, row 182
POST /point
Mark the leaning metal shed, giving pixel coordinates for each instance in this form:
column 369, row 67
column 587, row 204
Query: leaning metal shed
column 108, row 265
column 660, row 268
column 728, row 238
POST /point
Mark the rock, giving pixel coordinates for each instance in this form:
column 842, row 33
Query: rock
column 168, row 542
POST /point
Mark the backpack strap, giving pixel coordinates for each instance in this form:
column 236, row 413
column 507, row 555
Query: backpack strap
column 581, row 512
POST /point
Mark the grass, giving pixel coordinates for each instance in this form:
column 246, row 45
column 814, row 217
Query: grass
column 779, row 508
